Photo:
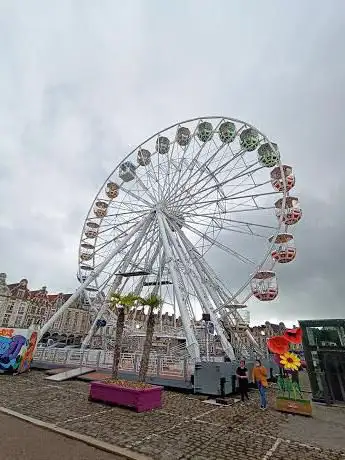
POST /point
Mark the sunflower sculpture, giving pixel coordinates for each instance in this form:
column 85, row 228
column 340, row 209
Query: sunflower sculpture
column 290, row 361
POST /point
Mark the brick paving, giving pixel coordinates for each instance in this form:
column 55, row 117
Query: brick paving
column 185, row 429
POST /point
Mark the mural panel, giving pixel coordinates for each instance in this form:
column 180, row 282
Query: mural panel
column 17, row 348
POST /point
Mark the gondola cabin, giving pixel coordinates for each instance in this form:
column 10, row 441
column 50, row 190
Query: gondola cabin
column 101, row 208
column 127, row 171
column 268, row 155
column 112, row 190
column 249, row 139
column 292, row 213
column 284, row 250
column 91, row 229
column 143, row 157
column 277, row 180
column 162, row 145
column 264, row 285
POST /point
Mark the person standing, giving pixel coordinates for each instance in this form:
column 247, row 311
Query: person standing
column 260, row 379
column 242, row 375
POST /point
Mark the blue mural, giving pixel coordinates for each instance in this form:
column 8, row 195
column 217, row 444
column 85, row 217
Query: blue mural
column 16, row 349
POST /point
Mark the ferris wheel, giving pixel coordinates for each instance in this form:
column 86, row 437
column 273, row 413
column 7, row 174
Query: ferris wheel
column 200, row 213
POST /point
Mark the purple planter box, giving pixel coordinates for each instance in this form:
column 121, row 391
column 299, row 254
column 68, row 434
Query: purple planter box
column 141, row 400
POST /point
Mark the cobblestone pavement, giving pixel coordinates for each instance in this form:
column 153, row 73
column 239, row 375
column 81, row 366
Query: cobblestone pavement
column 185, row 429
column 39, row 444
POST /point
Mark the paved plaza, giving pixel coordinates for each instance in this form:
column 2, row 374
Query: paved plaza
column 186, row 428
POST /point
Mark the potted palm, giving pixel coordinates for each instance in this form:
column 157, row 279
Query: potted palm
column 153, row 302
column 137, row 395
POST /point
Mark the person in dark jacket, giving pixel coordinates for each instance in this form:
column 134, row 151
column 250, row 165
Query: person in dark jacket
column 242, row 375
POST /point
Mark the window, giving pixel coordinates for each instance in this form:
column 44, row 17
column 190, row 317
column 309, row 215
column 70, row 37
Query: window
column 6, row 320
column 18, row 321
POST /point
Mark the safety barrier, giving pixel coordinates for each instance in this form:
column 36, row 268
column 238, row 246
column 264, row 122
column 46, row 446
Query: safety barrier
column 160, row 366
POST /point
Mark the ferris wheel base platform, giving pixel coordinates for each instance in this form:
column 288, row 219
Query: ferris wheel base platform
column 69, row 374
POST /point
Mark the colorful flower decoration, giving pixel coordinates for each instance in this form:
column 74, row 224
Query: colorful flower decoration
column 293, row 335
column 278, row 344
column 290, row 361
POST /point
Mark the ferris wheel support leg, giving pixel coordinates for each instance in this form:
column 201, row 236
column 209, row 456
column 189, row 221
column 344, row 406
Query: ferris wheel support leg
column 216, row 294
column 92, row 277
column 124, row 265
column 191, row 342
column 237, row 316
column 203, row 297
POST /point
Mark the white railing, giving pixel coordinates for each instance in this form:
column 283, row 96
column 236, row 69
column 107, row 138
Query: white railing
column 160, row 366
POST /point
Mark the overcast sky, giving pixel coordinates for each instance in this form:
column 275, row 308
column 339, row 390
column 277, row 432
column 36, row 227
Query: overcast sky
column 82, row 82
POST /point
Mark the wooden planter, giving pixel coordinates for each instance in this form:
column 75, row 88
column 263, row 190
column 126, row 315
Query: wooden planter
column 292, row 406
column 139, row 399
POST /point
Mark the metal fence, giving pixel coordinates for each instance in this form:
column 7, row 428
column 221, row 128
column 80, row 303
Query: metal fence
column 160, row 366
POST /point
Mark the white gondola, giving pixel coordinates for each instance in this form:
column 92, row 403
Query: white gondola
column 86, row 252
column 268, row 156
column 101, row 208
column 227, row 132
column 205, row 131
column 183, row 136
column 143, row 157
column 277, row 180
column 264, row 285
column 112, row 190
column 249, row 139
column 127, row 171
column 162, row 145
column 91, row 230
column 284, row 250
column 292, row 212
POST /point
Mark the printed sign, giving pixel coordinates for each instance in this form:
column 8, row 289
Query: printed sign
column 17, row 348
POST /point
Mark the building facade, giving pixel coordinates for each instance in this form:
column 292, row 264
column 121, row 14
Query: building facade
column 21, row 307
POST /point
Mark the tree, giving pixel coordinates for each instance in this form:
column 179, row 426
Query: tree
column 122, row 304
column 153, row 302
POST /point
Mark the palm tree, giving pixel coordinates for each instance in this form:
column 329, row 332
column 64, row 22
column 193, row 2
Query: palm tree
column 153, row 302
column 122, row 304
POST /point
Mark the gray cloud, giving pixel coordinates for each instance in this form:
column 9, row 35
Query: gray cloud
column 83, row 83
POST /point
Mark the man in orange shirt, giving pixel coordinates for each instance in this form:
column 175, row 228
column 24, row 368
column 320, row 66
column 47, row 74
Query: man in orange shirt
column 260, row 378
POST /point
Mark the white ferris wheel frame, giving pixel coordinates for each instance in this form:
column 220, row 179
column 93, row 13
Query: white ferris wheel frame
column 219, row 295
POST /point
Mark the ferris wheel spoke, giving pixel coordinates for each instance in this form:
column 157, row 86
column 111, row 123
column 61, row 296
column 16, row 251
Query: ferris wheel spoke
column 111, row 241
column 117, row 226
column 208, row 190
column 189, row 146
column 231, row 227
column 131, row 256
column 206, row 164
column 137, row 197
column 203, row 167
column 207, row 203
column 232, row 252
column 140, row 263
column 227, row 194
column 166, row 183
column 194, row 161
column 224, row 219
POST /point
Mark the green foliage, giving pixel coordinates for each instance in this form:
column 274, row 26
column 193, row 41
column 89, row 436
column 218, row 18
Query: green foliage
column 152, row 300
column 126, row 301
column 288, row 388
